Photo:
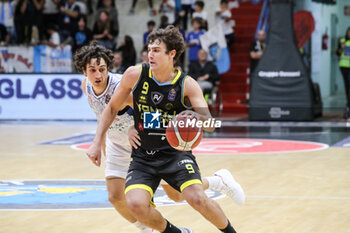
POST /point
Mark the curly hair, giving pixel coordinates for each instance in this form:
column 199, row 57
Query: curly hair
column 83, row 56
column 172, row 39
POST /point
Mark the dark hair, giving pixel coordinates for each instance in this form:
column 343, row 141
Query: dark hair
column 83, row 56
column 223, row 1
column 196, row 20
column 200, row 4
column 172, row 39
column 151, row 23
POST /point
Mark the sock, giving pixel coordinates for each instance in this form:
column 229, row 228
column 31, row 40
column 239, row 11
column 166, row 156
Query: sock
column 214, row 182
column 228, row 228
column 139, row 225
column 170, row 228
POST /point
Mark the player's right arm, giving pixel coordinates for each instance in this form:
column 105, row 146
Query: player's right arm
column 117, row 102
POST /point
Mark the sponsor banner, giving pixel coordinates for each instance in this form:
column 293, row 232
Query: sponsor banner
column 16, row 59
column 43, row 96
column 50, row 60
column 67, row 194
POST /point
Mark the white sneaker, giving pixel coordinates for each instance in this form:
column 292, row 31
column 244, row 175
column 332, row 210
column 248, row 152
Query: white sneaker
column 185, row 230
column 230, row 187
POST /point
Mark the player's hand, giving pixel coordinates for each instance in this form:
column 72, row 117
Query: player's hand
column 94, row 154
column 189, row 114
column 134, row 138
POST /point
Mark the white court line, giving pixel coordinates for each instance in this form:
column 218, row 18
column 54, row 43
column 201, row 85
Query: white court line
column 297, row 197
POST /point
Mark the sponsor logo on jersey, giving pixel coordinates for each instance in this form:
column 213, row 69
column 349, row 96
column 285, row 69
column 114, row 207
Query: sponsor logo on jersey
column 108, row 98
column 156, row 97
column 67, row 194
column 172, row 95
column 142, row 99
column 151, row 120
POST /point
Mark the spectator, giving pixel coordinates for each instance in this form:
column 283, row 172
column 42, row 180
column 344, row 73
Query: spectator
column 83, row 35
column 143, row 57
column 7, row 18
column 200, row 13
column 343, row 52
column 186, row 12
column 28, row 16
column 256, row 50
column 109, row 6
column 103, row 31
column 164, row 21
column 223, row 16
column 192, row 40
column 69, row 13
column 117, row 66
column 54, row 40
column 128, row 52
column 204, row 71
column 51, row 13
column 167, row 7
column 152, row 11
column 4, row 36
column 150, row 27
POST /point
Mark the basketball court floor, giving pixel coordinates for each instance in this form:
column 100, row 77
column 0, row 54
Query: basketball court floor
column 296, row 177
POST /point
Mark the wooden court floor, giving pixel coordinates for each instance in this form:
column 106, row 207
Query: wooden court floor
column 286, row 192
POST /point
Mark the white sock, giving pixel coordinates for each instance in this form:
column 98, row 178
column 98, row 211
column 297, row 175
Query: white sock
column 139, row 225
column 214, row 182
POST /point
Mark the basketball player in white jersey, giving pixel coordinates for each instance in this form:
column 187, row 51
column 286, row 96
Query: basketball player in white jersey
column 99, row 85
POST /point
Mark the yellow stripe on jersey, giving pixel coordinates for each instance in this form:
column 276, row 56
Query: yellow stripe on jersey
column 138, row 80
column 190, row 182
column 149, row 73
column 176, row 78
column 141, row 186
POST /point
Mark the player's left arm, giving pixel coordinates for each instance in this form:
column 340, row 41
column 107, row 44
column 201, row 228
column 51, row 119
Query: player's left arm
column 195, row 95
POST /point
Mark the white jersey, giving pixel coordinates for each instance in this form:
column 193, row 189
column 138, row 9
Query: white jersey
column 118, row 149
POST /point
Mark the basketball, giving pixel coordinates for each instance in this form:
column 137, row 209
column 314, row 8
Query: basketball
column 182, row 132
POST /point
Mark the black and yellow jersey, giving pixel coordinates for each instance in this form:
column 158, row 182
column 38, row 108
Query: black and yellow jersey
column 154, row 105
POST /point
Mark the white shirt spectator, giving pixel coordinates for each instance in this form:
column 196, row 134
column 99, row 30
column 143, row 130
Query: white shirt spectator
column 202, row 15
column 50, row 7
column 168, row 8
column 227, row 27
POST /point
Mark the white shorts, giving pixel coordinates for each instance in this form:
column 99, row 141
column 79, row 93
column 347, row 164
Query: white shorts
column 118, row 159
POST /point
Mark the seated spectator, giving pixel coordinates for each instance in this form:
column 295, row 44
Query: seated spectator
column 117, row 66
column 204, row 71
column 192, row 40
column 54, row 39
column 83, row 35
column 109, row 6
column 200, row 13
column 167, row 7
column 256, row 50
column 128, row 51
column 223, row 16
column 4, row 36
column 103, row 31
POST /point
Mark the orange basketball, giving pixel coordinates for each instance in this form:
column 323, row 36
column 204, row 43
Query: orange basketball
column 183, row 132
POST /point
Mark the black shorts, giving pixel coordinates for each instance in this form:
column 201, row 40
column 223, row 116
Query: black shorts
column 179, row 169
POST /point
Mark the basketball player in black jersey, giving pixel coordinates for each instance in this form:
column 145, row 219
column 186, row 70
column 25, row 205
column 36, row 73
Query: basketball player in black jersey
column 160, row 90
